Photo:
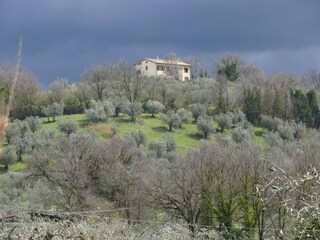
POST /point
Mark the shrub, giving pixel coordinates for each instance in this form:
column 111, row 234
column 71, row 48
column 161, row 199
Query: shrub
column 272, row 139
column 99, row 111
column 103, row 131
column 286, row 132
column 68, row 126
column 299, row 129
column 159, row 148
column 43, row 139
column 270, row 123
column 115, row 130
column 138, row 137
column 239, row 135
column 237, row 117
column 96, row 115
column 170, row 143
column 108, row 107
column 164, row 148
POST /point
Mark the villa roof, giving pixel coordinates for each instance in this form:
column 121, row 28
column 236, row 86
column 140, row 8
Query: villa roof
column 165, row 61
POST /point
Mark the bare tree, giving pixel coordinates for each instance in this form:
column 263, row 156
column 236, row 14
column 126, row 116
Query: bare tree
column 98, row 78
column 220, row 89
column 176, row 192
column 171, row 69
column 196, row 66
column 313, row 76
column 84, row 93
column 58, row 90
column 131, row 82
column 26, row 93
column 119, row 175
column 65, row 166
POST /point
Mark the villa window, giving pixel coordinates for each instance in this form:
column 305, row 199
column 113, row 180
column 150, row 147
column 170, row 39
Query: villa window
column 186, row 70
column 146, row 67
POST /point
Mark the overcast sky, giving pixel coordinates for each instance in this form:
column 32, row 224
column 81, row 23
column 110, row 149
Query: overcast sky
column 61, row 38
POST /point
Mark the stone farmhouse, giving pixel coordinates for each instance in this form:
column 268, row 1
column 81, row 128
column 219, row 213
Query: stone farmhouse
column 154, row 67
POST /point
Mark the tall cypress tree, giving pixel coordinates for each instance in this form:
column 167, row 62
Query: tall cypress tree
column 313, row 108
column 300, row 106
column 252, row 105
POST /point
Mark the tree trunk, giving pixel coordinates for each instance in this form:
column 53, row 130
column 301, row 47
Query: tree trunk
column 6, row 166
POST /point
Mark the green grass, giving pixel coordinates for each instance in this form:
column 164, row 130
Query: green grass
column 186, row 137
column 17, row 166
column 80, row 118
column 14, row 167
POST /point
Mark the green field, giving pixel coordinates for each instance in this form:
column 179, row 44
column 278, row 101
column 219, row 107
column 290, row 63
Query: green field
column 186, row 137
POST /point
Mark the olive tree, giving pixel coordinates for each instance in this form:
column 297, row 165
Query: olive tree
column 224, row 121
column 170, row 143
column 15, row 129
column 22, row 145
column 68, row 126
column 154, row 107
column 9, row 156
column 171, row 119
column 99, row 110
column 185, row 116
column 197, row 110
column 34, row 123
column 157, row 149
column 239, row 135
column 119, row 105
column 53, row 110
column 138, row 137
column 205, row 126
column 133, row 110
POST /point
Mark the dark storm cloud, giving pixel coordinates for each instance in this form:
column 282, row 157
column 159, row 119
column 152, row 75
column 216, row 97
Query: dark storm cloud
column 63, row 37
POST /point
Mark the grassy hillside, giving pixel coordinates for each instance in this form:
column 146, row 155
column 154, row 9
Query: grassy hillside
column 186, row 137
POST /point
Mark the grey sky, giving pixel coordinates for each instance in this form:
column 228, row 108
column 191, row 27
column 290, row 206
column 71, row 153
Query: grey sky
column 64, row 37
